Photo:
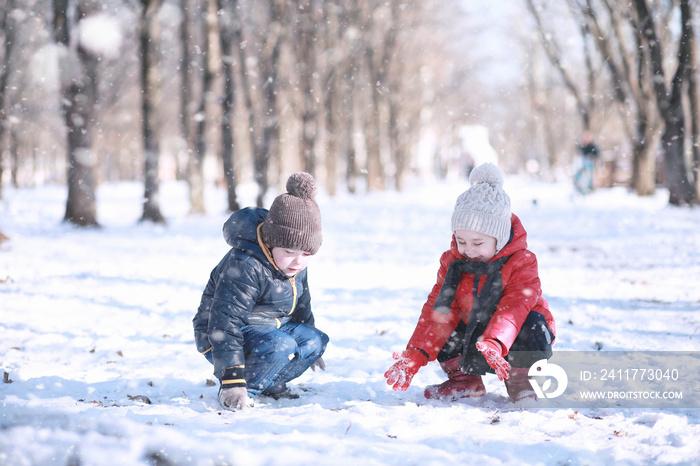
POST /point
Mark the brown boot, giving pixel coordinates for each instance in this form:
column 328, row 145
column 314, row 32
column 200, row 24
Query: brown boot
column 458, row 384
column 518, row 385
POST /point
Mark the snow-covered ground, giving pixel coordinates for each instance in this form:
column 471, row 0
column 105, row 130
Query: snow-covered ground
column 96, row 323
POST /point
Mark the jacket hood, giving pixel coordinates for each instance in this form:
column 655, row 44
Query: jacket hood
column 240, row 231
column 517, row 242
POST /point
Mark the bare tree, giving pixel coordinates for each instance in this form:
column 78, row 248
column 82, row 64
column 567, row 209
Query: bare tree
column 260, row 41
column 694, row 110
column 584, row 101
column 394, row 98
column 269, row 70
column 333, row 58
column 346, row 83
column 376, row 62
column 305, row 21
column 629, row 82
column 227, row 39
column 7, row 30
column 581, row 85
column 669, row 102
column 194, row 143
column 342, row 56
column 693, row 107
column 348, row 86
column 151, row 198
column 260, row 161
column 627, row 64
column 78, row 97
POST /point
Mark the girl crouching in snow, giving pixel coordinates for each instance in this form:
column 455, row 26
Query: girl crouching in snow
column 254, row 322
column 486, row 312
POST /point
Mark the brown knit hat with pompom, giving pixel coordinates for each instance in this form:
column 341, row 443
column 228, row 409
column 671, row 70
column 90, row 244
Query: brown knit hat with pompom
column 294, row 220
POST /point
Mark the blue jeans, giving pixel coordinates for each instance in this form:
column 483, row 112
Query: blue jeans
column 583, row 178
column 274, row 356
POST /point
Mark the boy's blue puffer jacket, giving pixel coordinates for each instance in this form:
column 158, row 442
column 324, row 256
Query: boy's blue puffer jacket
column 246, row 289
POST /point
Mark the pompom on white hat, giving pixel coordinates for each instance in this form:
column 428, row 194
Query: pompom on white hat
column 485, row 206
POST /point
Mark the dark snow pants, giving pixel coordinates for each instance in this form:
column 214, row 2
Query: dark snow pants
column 534, row 342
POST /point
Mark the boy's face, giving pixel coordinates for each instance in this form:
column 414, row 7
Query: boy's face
column 290, row 261
column 475, row 246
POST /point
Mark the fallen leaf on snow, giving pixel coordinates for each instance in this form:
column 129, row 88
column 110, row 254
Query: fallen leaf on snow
column 141, row 398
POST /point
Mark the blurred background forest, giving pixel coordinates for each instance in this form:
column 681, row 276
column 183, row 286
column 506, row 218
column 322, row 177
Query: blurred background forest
column 363, row 94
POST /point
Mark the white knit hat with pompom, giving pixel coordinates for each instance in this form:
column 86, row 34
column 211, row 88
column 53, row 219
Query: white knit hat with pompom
column 484, row 207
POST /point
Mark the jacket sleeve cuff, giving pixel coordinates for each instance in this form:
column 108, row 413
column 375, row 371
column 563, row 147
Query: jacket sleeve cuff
column 233, row 377
column 422, row 352
column 505, row 335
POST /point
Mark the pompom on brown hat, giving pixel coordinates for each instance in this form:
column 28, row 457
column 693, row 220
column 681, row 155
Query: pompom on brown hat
column 294, row 219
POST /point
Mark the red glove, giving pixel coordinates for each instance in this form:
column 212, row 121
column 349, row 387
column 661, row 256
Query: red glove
column 399, row 375
column 493, row 352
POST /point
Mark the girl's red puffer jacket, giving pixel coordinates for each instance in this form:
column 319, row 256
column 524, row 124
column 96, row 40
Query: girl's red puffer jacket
column 522, row 293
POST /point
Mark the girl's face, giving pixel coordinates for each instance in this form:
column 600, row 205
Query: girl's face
column 290, row 261
column 475, row 246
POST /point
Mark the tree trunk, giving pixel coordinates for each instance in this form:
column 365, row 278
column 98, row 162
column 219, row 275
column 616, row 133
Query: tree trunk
column 644, row 139
column 78, row 97
column 630, row 84
column 396, row 143
column 151, row 198
column 7, row 30
column 378, row 55
column 694, row 109
column 670, row 104
column 14, row 158
column 644, row 169
column 185, row 72
column 259, row 160
column 332, row 35
column 195, row 155
column 81, row 207
column 553, row 52
column 347, row 143
column 226, row 19
column 200, row 138
column 306, row 67
column 269, row 67
column 392, row 93
column 331, row 144
column 375, row 168
column 680, row 190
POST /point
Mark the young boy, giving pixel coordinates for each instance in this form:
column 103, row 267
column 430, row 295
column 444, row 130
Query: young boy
column 486, row 312
column 254, row 322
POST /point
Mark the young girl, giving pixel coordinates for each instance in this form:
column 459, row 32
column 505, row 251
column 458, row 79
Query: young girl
column 486, row 312
column 254, row 322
